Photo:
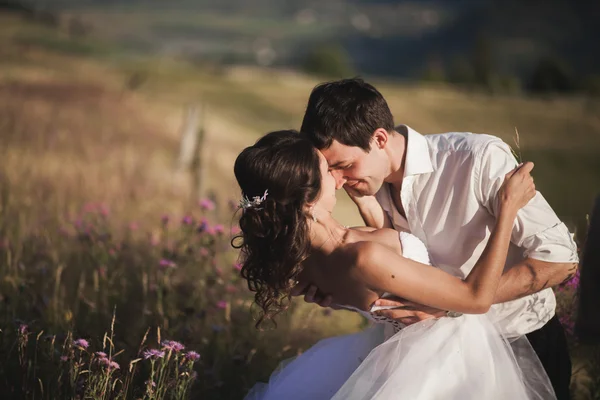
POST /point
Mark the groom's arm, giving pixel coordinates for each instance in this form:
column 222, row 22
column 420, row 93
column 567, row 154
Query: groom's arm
column 531, row 276
column 548, row 247
column 549, row 250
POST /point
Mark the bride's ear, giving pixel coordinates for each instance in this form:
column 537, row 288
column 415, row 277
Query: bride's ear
column 380, row 138
column 309, row 209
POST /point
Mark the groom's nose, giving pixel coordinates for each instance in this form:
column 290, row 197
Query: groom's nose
column 339, row 179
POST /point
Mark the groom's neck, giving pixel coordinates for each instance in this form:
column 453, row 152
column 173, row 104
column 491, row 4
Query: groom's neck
column 396, row 151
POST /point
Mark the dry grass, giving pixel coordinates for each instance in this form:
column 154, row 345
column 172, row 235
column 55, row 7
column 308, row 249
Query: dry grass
column 66, row 144
column 72, row 134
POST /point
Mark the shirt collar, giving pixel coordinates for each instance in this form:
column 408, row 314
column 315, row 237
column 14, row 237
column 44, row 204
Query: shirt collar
column 418, row 159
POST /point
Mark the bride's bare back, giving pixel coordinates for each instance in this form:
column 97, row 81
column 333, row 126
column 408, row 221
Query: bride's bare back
column 333, row 273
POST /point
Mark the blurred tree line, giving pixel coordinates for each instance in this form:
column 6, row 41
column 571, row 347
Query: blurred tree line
column 537, row 46
column 504, row 46
column 550, row 73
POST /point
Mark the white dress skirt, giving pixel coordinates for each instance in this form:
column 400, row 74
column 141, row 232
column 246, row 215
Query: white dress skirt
column 444, row 358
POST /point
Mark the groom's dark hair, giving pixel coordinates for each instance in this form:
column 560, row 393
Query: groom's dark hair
column 348, row 110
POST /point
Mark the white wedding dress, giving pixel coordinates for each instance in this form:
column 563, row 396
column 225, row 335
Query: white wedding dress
column 445, row 358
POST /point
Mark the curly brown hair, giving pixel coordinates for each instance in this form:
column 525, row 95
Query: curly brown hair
column 275, row 235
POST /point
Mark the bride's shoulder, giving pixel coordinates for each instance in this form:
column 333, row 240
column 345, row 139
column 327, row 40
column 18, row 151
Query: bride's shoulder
column 366, row 241
column 385, row 233
column 365, row 257
column 387, row 237
column 367, row 233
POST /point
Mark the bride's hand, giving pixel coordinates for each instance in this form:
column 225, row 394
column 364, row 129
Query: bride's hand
column 356, row 197
column 518, row 188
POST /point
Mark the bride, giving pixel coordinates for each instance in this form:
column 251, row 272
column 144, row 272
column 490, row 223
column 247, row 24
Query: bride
column 288, row 235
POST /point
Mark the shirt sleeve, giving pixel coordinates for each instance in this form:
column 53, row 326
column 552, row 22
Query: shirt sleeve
column 537, row 229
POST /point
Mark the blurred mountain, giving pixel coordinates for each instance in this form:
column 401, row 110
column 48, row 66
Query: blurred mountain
column 452, row 39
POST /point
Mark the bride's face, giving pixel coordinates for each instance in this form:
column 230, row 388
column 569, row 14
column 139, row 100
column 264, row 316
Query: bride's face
column 327, row 198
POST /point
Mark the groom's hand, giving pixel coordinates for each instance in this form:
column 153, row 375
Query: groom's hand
column 407, row 312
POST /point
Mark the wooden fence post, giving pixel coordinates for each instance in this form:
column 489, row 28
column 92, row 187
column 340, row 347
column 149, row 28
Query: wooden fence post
column 191, row 148
column 587, row 324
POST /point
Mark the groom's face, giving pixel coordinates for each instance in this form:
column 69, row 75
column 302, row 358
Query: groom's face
column 352, row 167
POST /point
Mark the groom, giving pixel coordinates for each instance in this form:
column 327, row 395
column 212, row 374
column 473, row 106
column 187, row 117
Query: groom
column 442, row 188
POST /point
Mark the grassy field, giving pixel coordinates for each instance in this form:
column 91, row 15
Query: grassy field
column 95, row 217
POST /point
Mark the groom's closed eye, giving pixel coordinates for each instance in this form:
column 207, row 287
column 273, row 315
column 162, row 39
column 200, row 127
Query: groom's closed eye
column 339, row 165
column 342, row 167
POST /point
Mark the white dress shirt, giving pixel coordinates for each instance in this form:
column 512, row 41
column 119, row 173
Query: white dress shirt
column 449, row 195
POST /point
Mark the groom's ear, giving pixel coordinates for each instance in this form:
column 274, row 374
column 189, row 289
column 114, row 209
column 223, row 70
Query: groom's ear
column 380, row 138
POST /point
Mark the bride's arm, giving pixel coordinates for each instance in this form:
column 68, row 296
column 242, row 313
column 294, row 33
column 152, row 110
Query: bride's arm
column 382, row 269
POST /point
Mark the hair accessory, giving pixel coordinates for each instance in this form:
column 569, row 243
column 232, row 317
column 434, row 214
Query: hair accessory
column 256, row 201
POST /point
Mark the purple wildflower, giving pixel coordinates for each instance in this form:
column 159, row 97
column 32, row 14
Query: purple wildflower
column 202, row 227
column 82, row 343
column 219, row 229
column 235, row 230
column 187, row 220
column 101, row 354
column 172, row 346
column 113, row 365
column 164, row 220
column 165, row 264
column 203, row 252
column 192, row 356
column 104, row 361
column 207, row 204
column 568, row 324
column 64, row 358
column 23, row 328
column 104, row 210
column 574, row 281
column 153, row 354
column 222, row 304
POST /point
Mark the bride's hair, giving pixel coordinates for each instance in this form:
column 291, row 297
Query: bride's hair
column 275, row 234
